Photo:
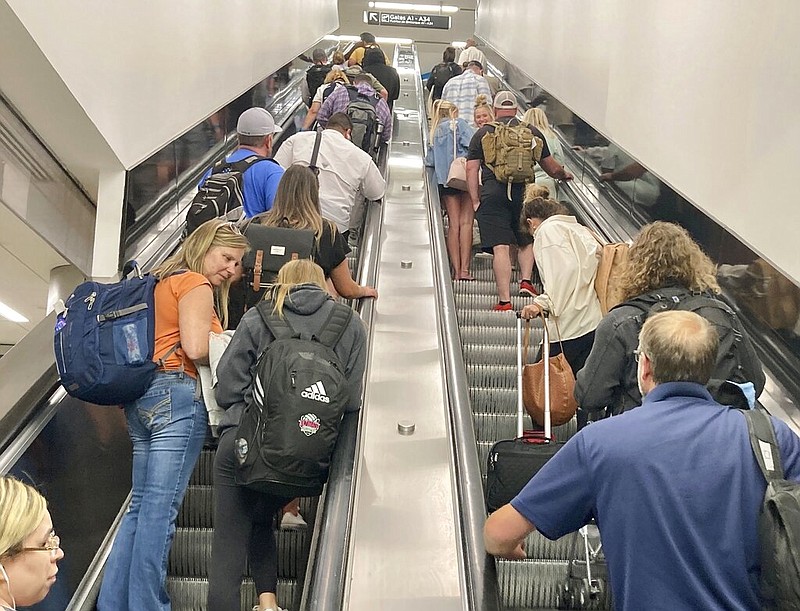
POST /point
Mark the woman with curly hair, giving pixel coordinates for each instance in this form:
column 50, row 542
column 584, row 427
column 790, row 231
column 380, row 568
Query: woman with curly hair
column 664, row 262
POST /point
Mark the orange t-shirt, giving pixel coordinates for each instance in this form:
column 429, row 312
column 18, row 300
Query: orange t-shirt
column 168, row 293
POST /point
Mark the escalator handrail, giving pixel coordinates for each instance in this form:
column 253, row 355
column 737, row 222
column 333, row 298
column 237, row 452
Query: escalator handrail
column 481, row 570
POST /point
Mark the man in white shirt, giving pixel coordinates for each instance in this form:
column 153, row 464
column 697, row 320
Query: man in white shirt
column 471, row 53
column 347, row 175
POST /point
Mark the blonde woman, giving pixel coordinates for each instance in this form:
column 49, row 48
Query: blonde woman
column 168, row 423
column 537, row 118
column 240, row 532
column 448, row 128
column 663, row 260
column 29, row 547
column 483, row 112
column 297, row 206
column 333, row 79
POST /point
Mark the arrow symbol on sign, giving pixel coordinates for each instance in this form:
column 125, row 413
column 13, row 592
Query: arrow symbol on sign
column 372, row 17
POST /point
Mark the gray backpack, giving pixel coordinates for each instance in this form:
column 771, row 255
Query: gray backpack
column 779, row 522
column 363, row 114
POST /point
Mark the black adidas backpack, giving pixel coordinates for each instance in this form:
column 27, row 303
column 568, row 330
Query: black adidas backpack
column 288, row 431
column 363, row 114
column 222, row 193
column 315, row 77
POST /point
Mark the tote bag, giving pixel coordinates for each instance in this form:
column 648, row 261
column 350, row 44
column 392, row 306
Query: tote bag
column 457, row 175
column 562, row 385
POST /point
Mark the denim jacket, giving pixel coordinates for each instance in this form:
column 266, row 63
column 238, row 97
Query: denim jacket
column 440, row 151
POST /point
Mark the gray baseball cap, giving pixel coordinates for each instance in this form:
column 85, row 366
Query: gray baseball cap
column 256, row 121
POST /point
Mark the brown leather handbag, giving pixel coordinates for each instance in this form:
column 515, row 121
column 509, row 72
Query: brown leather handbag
column 562, row 383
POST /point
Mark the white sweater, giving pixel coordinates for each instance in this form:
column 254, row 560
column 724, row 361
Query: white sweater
column 567, row 256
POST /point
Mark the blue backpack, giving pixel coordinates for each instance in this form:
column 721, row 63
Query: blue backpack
column 105, row 339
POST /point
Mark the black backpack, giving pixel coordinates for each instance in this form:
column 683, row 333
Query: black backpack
column 315, row 77
column 222, row 193
column 362, row 112
column 730, row 354
column 441, row 74
column 288, row 431
column 779, row 520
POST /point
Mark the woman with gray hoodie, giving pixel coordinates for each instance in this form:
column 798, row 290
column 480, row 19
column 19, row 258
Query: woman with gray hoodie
column 243, row 531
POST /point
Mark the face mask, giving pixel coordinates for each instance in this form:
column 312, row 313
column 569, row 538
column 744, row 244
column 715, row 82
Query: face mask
column 8, row 584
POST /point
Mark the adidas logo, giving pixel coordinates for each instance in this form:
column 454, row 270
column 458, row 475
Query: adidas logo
column 316, row 392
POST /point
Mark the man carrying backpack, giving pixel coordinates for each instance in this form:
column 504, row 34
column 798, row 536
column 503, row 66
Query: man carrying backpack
column 443, row 72
column 258, row 175
column 508, row 148
column 367, row 110
column 674, row 485
column 315, row 75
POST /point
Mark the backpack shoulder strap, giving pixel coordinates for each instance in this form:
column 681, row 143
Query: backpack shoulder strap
column 244, row 164
column 279, row 327
column 764, row 444
column 331, row 331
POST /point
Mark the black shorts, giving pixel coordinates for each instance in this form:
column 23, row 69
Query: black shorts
column 498, row 217
column 448, row 191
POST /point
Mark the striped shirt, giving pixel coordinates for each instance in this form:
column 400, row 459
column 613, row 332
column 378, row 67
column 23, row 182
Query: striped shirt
column 462, row 90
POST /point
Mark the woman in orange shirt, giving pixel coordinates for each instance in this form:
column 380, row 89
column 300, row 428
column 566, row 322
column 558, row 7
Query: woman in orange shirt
column 168, row 423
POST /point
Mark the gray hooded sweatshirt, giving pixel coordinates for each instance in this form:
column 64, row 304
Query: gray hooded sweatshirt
column 306, row 308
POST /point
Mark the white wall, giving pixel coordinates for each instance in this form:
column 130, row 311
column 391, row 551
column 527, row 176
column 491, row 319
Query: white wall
column 703, row 93
column 144, row 72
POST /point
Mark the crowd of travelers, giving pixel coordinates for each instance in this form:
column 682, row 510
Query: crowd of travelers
column 660, row 461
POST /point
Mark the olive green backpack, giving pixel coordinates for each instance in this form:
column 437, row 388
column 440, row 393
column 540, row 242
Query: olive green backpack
column 511, row 152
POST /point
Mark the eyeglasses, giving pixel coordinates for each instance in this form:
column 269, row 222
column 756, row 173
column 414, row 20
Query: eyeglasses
column 53, row 545
column 637, row 354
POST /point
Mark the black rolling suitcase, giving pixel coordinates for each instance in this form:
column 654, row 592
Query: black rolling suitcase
column 587, row 583
column 513, row 462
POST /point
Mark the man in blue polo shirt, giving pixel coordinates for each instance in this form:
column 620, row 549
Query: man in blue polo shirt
column 673, row 485
column 255, row 130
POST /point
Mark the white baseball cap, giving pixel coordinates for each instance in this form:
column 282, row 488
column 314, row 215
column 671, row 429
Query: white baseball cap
column 256, row 121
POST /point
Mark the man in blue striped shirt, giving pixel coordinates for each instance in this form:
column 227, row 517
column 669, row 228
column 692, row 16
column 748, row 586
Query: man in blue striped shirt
column 463, row 89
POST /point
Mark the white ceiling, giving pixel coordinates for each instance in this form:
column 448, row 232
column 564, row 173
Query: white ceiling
column 25, row 264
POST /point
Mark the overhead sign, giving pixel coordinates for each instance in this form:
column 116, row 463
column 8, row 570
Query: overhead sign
column 409, row 20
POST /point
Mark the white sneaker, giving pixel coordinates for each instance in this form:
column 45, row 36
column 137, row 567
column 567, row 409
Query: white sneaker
column 290, row 520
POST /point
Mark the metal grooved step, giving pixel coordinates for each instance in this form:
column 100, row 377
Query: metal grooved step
column 489, row 343
column 190, row 557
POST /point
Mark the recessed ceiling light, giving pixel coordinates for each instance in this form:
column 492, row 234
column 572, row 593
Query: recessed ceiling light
column 11, row 314
column 420, row 8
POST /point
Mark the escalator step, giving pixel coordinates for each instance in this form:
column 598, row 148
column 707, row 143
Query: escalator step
column 539, row 547
column 191, row 552
column 531, row 584
column 485, row 302
column 491, row 353
column 478, row 332
column 203, row 473
column 492, row 376
column 192, row 594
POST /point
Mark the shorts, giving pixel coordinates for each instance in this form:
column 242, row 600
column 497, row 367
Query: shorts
column 448, row 191
column 498, row 218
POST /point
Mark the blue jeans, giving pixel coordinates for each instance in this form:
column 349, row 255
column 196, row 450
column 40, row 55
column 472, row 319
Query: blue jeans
column 167, row 426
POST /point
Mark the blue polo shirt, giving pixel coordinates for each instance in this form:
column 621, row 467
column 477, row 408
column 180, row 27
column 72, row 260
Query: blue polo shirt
column 260, row 182
column 676, row 492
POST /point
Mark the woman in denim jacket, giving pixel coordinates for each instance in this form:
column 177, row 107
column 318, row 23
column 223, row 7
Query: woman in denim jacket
column 445, row 126
column 168, row 423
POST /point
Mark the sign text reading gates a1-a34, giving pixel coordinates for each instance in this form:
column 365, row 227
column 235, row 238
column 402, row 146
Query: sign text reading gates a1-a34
column 436, row 22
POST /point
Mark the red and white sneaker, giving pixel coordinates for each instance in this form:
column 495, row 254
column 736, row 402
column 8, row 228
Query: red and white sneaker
column 503, row 307
column 526, row 289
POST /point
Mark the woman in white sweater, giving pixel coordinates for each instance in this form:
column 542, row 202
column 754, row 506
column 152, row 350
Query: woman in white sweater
column 566, row 256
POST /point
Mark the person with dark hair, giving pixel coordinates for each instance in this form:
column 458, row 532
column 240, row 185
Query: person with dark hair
column 566, row 255
column 673, row 485
column 315, row 76
column 356, row 55
column 255, row 130
column 347, row 175
column 243, row 518
column 442, row 72
column 374, row 64
column 663, row 260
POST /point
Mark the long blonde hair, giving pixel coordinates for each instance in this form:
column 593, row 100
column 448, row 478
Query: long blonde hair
column 537, row 118
column 22, row 509
column 296, row 203
column 664, row 255
column 292, row 274
column 442, row 110
column 192, row 253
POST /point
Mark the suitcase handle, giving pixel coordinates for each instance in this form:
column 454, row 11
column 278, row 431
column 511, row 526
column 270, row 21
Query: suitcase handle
column 546, row 360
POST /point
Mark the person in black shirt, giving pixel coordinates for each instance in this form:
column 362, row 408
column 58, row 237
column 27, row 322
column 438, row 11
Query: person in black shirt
column 443, row 72
column 498, row 218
